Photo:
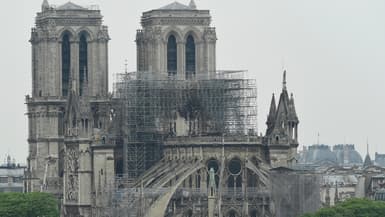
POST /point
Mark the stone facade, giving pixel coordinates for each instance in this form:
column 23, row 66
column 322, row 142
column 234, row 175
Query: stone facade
column 11, row 176
column 181, row 22
column 80, row 139
column 341, row 183
column 68, row 110
column 319, row 155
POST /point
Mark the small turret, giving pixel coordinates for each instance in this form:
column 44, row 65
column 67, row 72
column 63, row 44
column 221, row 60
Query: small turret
column 336, row 199
column 367, row 161
column 272, row 115
column 9, row 160
column 282, row 128
column 292, row 113
column 192, row 5
column 45, row 5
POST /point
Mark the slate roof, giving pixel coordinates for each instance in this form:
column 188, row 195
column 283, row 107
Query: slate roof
column 346, row 154
column 317, row 154
column 70, row 6
column 176, row 6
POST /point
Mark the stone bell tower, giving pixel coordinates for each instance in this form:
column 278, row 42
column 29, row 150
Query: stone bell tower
column 282, row 129
column 69, row 52
column 177, row 41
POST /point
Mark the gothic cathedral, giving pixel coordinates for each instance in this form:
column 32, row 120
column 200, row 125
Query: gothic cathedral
column 175, row 138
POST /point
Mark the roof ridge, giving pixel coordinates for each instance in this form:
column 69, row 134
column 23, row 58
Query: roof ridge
column 70, row 6
column 176, row 6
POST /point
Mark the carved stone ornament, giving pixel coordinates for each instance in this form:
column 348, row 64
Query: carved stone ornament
column 210, row 34
column 72, row 166
column 103, row 34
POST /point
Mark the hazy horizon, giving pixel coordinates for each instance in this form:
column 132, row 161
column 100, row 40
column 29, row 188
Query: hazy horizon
column 333, row 51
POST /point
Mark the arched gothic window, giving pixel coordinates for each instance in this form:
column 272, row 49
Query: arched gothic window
column 232, row 213
column 254, row 213
column 190, row 57
column 66, row 63
column 189, row 213
column 171, row 55
column 83, row 60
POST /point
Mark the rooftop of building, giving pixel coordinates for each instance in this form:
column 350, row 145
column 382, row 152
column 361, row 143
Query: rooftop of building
column 341, row 154
column 379, row 159
column 10, row 163
column 318, row 154
column 68, row 6
column 178, row 11
column 346, row 154
column 179, row 6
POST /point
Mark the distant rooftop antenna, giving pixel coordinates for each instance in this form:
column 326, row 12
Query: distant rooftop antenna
column 318, row 138
column 126, row 66
column 283, row 63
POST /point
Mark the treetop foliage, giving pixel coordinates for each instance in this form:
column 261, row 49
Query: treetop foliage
column 34, row 204
column 352, row 208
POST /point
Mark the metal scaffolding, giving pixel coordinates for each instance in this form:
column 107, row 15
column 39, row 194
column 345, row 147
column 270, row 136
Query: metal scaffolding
column 154, row 108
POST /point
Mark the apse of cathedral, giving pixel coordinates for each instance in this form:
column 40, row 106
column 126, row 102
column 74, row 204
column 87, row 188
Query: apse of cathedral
column 175, row 138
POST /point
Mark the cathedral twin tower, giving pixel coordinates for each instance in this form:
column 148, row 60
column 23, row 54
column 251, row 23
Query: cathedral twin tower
column 69, row 111
column 193, row 125
column 66, row 48
column 179, row 44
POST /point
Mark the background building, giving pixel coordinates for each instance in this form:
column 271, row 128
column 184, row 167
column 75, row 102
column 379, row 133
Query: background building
column 11, row 176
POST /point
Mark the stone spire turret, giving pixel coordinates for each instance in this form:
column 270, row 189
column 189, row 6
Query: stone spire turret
column 44, row 5
column 292, row 113
column 192, row 5
column 367, row 161
column 272, row 115
column 336, row 199
column 284, row 81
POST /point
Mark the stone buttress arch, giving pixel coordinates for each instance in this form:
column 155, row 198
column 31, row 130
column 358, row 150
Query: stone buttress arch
column 160, row 205
column 262, row 172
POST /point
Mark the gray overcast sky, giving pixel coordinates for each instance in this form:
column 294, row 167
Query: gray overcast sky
column 334, row 53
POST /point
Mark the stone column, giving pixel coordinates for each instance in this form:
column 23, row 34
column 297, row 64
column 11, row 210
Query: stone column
column 51, row 69
column 59, row 66
column 199, row 60
column 91, row 67
column 181, row 60
column 75, row 63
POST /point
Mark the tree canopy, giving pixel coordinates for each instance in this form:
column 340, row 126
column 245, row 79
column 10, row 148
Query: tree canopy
column 352, row 208
column 28, row 205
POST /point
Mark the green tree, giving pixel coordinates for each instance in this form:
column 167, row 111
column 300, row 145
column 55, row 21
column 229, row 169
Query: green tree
column 28, row 205
column 352, row 208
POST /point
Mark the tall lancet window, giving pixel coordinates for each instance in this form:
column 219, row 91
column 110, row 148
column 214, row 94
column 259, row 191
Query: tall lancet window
column 66, row 63
column 83, row 66
column 190, row 57
column 171, row 56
